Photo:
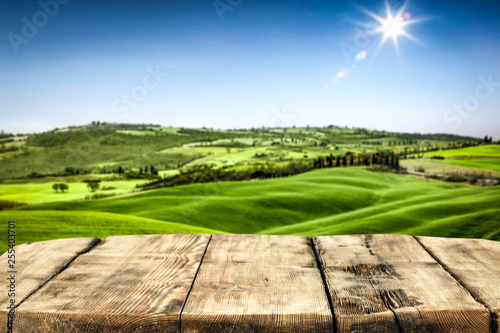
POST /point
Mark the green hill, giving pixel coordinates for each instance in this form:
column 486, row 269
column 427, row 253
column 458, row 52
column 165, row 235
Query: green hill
column 40, row 225
column 322, row 202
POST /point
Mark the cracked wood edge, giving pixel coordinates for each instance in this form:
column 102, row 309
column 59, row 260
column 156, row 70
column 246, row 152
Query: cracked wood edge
column 36, row 264
column 389, row 283
column 475, row 263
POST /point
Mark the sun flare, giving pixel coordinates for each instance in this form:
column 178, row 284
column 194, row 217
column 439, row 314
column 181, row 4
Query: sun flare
column 393, row 25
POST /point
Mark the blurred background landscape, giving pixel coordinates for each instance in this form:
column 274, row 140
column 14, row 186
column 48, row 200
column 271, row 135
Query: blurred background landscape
column 109, row 179
column 289, row 118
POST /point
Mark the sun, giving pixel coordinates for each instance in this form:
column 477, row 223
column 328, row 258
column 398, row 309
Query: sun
column 393, row 25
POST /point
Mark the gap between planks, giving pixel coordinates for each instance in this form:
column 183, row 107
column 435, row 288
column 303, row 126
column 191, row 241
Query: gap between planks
column 493, row 327
column 62, row 269
column 192, row 283
column 397, row 325
column 321, row 267
column 325, row 281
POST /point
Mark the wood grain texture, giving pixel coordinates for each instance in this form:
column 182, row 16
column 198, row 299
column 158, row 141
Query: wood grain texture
column 386, row 283
column 476, row 264
column 124, row 284
column 257, row 283
column 36, row 263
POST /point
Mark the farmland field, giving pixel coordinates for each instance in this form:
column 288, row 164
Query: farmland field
column 481, row 151
column 481, row 160
column 485, row 163
column 281, row 197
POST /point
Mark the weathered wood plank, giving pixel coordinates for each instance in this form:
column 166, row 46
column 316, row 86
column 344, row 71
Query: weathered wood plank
column 125, row 284
column 256, row 283
column 475, row 263
column 35, row 264
column 382, row 283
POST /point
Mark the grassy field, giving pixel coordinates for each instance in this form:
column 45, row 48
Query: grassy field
column 481, row 160
column 32, row 226
column 485, row 163
column 450, row 167
column 42, row 192
column 322, row 202
column 470, row 152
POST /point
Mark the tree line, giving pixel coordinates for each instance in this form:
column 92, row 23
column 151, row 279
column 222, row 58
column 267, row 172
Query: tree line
column 210, row 174
column 389, row 159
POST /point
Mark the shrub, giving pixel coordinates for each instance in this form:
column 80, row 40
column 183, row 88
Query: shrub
column 381, row 168
column 7, row 204
column 108, row 188
column 456, row 179
column 403, row 170
column 35, row 175
column 99, row 196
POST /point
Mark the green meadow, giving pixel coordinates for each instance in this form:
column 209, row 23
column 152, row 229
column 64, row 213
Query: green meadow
column 42, row 192
column 485, row 163
column 482, row 167
column 321, row 202
column 481, row 160
column 47, row 225
column 469, row 152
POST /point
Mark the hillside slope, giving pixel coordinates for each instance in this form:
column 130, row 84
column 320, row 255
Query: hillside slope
column 40, row 225
column 322, row 202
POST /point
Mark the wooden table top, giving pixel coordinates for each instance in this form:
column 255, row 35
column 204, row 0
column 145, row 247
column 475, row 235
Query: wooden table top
column 254, row 283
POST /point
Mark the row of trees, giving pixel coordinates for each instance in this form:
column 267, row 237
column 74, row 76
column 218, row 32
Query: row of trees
column 148, row 170
column 391, row 143
column 209, row 174
column 205, row 174
column 389, row 159
column 418, row 151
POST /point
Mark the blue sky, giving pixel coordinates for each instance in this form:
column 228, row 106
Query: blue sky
column 263, row 64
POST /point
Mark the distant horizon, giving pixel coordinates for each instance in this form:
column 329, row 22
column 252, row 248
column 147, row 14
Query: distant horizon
column 410, row 66
column 245, row 128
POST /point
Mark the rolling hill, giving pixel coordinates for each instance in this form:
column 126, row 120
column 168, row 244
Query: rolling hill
column 322, row 202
